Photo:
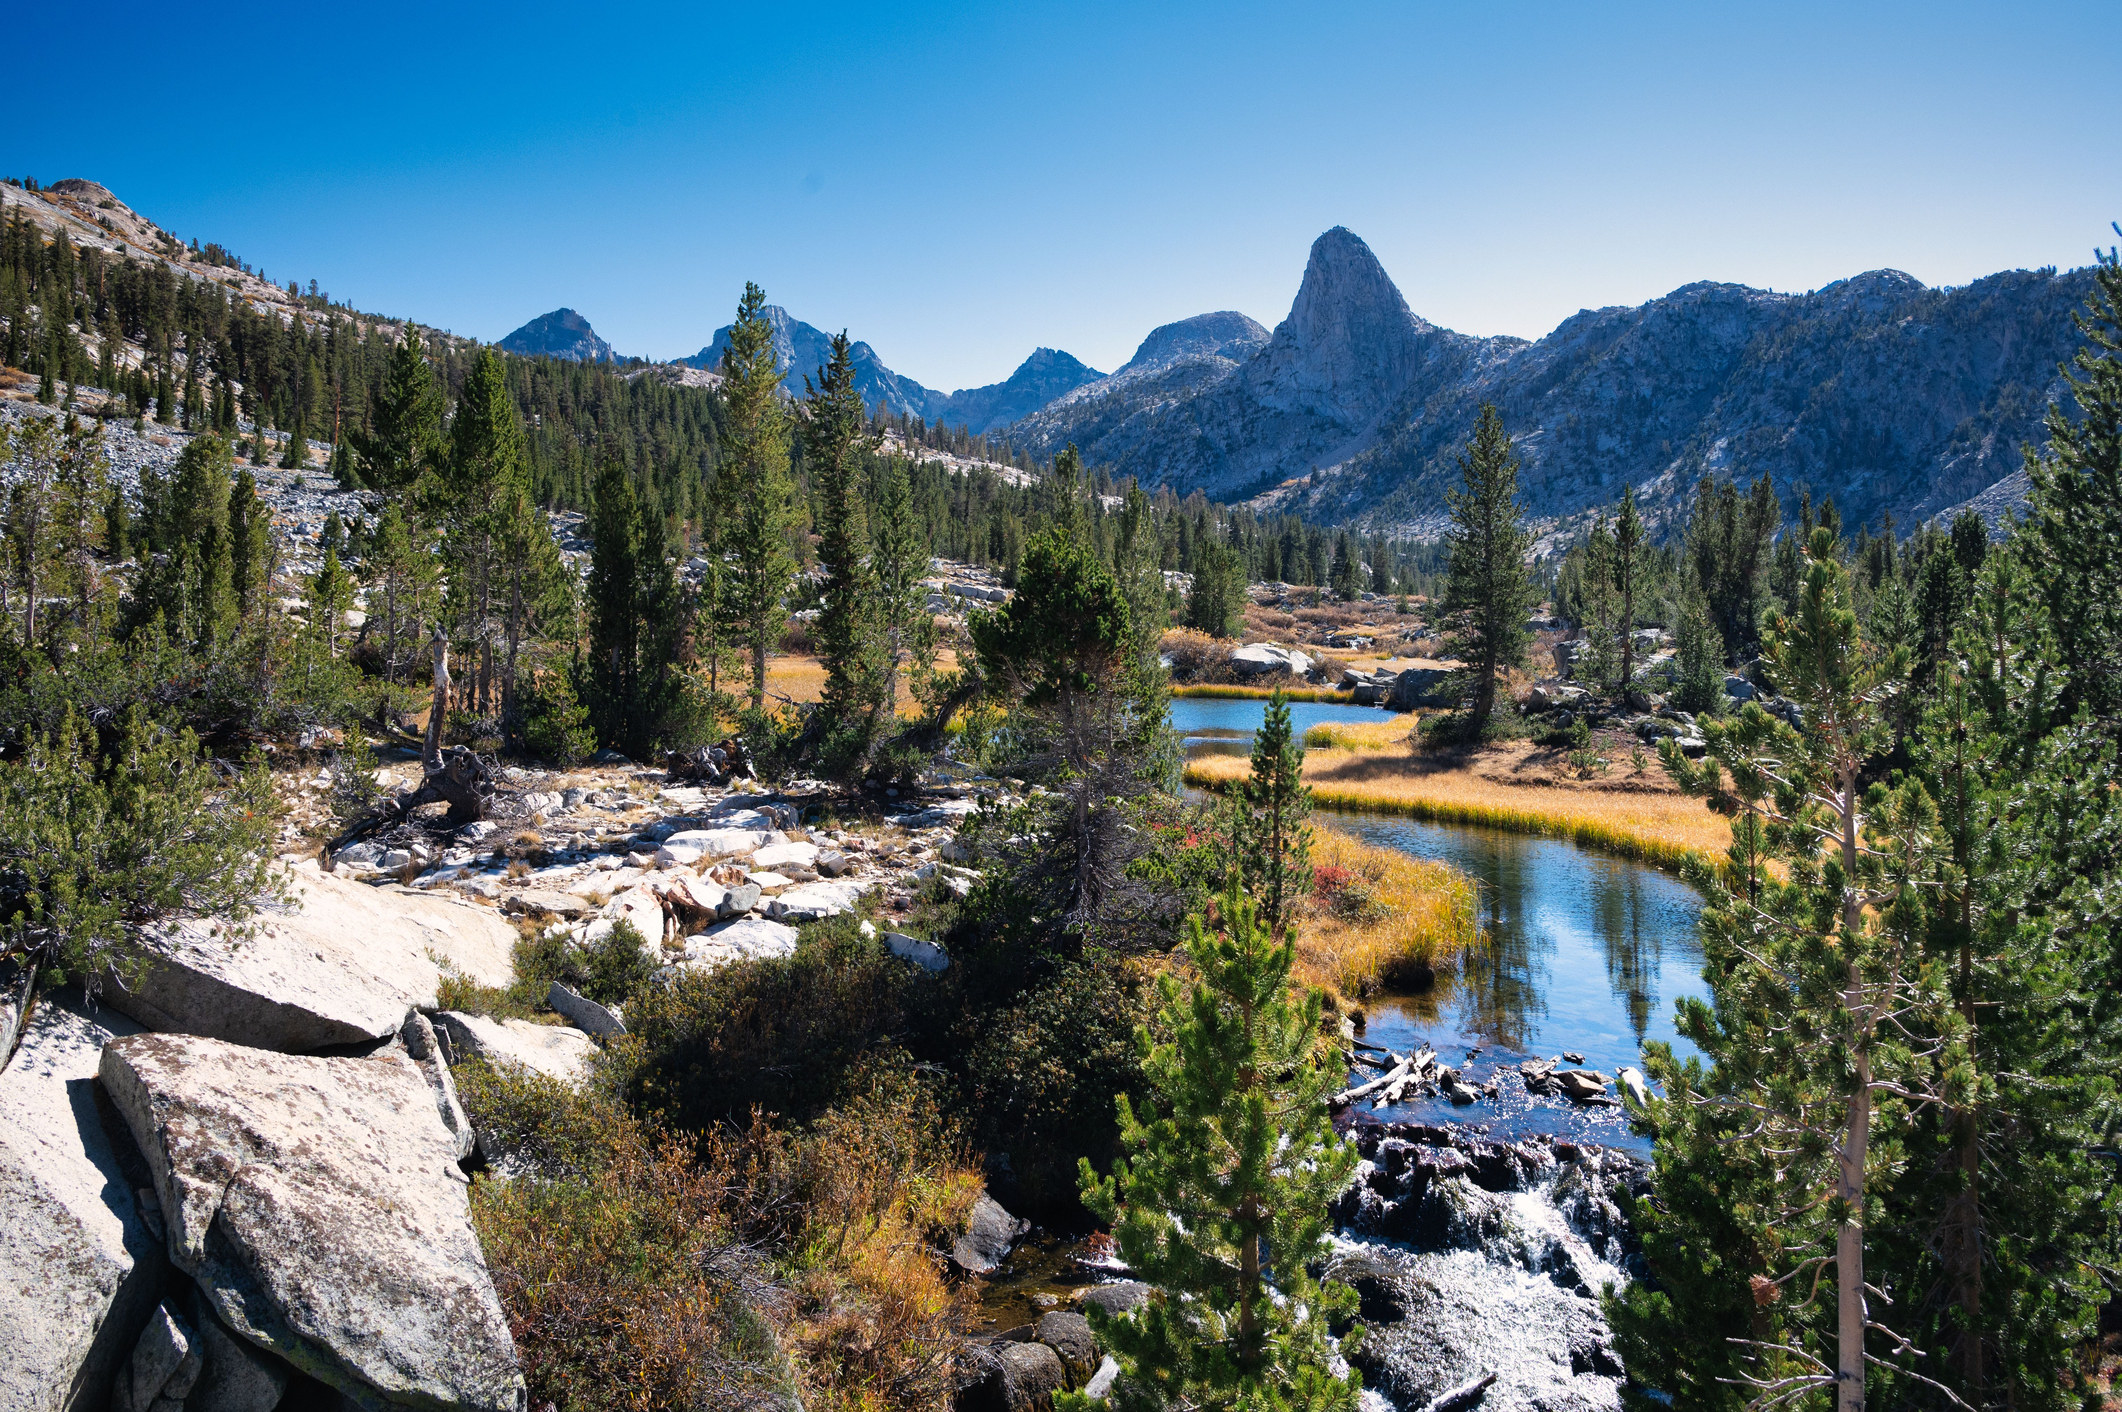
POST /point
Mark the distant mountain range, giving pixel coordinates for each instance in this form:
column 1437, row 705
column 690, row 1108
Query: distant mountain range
column 1893, row 397
column 801, row 350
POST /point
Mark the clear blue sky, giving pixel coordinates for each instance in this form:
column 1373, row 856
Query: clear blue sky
column 959, row 183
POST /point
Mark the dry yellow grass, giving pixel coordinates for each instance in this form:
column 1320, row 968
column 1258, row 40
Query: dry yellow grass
column 1644, row 819
column 1380, row 734
column 1379, row 919
column 801, row 677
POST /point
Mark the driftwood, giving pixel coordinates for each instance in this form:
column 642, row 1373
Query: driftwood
column 460, row 779
column 1350, row 1095
column 1418, row 1076
column 1460, row 1398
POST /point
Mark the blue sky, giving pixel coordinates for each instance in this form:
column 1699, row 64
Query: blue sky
column 959, row 183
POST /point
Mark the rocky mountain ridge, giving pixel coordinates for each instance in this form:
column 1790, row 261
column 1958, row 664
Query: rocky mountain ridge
column 1893, row 397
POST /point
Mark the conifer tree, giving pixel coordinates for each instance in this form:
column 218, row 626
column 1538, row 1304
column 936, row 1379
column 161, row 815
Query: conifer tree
column 899, row 561
column 850, row 643
column 2076, row 514
column 1221, row 1204
column 1490, row 591
column 1630, row 563
column 1826, row 1024
column 1347, row 575
column 752, row 489
column 405, row 573
column 405, row 424
column 1270, row 838
column 34, row 454
column 331, row 595
column 1699, row 650
column 1217, row 597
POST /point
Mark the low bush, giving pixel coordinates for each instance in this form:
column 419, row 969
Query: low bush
column 781, row 1035
column 758, row 1265
column 617, row 1259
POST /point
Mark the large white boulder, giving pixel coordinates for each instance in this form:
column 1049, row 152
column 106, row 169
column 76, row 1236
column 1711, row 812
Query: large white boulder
column 695, row 845
column 1257, row 659
column 345, row 963
column 811, row 901
column 779, row 857
column 746, row 939
column 553, row 1050
column 318, row 1205
column 80, row 1266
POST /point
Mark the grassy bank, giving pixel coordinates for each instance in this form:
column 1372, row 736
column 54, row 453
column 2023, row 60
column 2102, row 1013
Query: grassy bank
column 1660, row 827
column 1378, row 919
column 1215, row 690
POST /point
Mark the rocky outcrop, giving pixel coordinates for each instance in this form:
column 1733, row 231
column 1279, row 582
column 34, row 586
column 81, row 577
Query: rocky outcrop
column 318, row 1205
column 346, row 963
column 81, row 1264
column 552, row 1050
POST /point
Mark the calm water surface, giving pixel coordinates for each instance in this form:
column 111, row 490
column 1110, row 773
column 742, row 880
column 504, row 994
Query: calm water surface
column 1580, row 951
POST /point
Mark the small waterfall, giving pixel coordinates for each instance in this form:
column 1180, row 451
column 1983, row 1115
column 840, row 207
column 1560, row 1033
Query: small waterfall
column 1472, row 1256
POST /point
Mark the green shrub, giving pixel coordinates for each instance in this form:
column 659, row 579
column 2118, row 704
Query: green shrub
column 1040, row 1075
column 612, row 968
column 555, row 723
column 782, row 1035
column 616, row 1259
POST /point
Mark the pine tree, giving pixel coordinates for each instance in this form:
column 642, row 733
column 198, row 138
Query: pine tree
column 404, row 435
column 406, row 576
column 1216, row 599
column 752, row 489
column 34, row 454
column 1699, row 650
column 1599, row 607
column 899, row 561
column 1270, row 839
column 2076, row 514
column 611, row 596
column 1630, row 564
column 331, row 595
column 1490, row 591
column 1221, row 1206
column 1826, row 1022
column 850, row 644
column 1347, row 575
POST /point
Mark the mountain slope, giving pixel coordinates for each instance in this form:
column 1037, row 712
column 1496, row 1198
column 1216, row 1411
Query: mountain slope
column 1047, row 374
column 561, row 334
column 1893, row 397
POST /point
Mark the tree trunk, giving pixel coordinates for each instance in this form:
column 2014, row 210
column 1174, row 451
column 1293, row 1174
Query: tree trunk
column 1856, row 1138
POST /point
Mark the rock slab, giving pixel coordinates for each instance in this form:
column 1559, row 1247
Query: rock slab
column 553, row 1050
column 346, row 964
column 318, row 1205
column 80, row 1265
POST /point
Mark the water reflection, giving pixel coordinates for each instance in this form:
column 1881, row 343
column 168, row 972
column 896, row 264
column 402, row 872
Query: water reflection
column 1581, row 952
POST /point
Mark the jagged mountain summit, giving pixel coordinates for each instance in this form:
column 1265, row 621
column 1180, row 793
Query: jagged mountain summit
column 561, row 334
column 800, row 349
column 1894, row 397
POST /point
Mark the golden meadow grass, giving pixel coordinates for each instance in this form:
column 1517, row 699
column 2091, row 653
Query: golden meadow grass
column 1401, row 919
column 1659, row 827
column 1261, row 693
column 1380, row 734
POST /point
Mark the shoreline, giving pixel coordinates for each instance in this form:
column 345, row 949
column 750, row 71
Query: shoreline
column 1598, row 834
column 1214, row 692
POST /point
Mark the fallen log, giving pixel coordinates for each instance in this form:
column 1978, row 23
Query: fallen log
column 1465, row 1395
column 1349, row 1095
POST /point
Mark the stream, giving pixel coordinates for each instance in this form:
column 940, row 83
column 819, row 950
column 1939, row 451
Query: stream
column 1480, row 1237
